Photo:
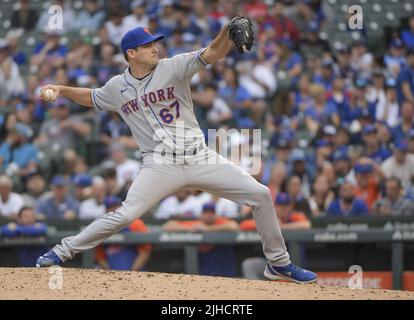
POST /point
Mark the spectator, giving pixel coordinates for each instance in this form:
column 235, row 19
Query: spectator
column 63, row 129
column 367, row 176
column 289, row 62
column 24, row 17
column 17, row 154
column 361, row 59
column 343, row 59
column 283, row 26
column 34, row 186
column 138, row 17
column 400, row 165
column 107, row 66
column 395, row 59
column 93, row 207
column 376, row 92
column 347, row 204
column 209, row 25
column 407, row 35
column 181, row 204
column 339, row 97
column 58, row 204
column 216, row 109
column 300, row 166
column 342, row 166
column 126, row 169
column 124, row 257
column 326, row 75
column 312, row 46
column 26, row 226
column 388, row 109
column 321, row 196
column 213, row 260
column 407, row 121
column 111, row 182
column 82, row 183
column 289, row 219
column 68, row 16
column 320, row 112
column 298, row 196
column 393, row 203
column 406, row 79
column 302, row 15
column 277, row 177
column 372, row 147
column 49, row 50
column 10, row 202
column 11, row 83
column 235, row 95
column 90, row 17
column 114, row 29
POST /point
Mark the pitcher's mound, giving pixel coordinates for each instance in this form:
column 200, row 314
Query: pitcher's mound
column 31, row 283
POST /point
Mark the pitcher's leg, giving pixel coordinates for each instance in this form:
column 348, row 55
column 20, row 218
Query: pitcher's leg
column 230, row 181
column 151, row 185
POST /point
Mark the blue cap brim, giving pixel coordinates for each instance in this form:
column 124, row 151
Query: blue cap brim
column 152, row 38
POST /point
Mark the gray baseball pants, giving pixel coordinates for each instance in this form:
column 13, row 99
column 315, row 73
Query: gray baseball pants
column 155, row 182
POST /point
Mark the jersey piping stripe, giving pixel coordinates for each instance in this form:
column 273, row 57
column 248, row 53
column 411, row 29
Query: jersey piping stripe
column 201, row 59
column 155, row 116
column 94, row 99
column 136, row 94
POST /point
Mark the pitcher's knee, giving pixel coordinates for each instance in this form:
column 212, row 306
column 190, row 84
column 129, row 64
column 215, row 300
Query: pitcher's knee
column 262, row 193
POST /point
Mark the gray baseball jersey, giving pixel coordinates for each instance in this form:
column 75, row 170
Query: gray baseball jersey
column 152, row 106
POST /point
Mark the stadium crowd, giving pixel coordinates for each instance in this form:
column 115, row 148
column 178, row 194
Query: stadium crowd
column 337, row 121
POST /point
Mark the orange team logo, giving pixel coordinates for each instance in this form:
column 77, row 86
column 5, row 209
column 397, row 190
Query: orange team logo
column 147, row 31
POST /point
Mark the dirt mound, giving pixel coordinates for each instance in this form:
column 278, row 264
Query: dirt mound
column 31, row 283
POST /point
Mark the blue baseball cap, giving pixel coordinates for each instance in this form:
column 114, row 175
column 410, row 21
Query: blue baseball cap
column 138, row 37
column 401, row 145
column 112, row 201
column 297, row 155
column 82, row 180
column 397, row 43
column 210, row 206
column 282, row 198
column 363, row 168
column 410, row 134
column 321, row 143
column 340, row 154
column 368, row 129
column 58, row 181
column 390, row 83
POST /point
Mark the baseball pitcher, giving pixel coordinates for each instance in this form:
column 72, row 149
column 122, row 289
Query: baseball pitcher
column 153, row 97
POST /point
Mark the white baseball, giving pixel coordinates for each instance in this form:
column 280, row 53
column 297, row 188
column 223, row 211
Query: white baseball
column 49, row 94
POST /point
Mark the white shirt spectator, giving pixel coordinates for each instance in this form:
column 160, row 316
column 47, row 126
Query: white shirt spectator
column 115, row 33
column 132, row 21
column 172, row 207
column 127, row 171
column 224, row 207
column 388, row 112
column 12, row 205
column 220, row 111
column 227, row 208
column 90, row 209
column 404, row 172
column 265, row 76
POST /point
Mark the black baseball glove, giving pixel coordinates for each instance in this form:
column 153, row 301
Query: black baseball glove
column 240, row 31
